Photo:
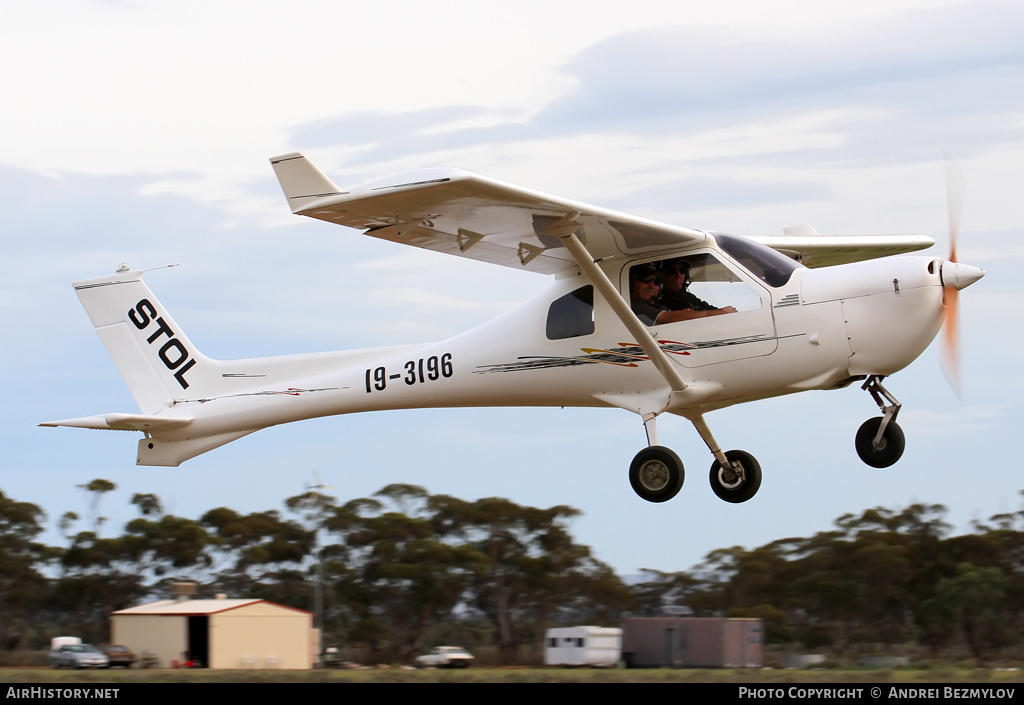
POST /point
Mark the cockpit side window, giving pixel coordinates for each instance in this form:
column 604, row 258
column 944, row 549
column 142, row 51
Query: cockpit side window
column 684, row 288
column 572, row 315
column 771, row 267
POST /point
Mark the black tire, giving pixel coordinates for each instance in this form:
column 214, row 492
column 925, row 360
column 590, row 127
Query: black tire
column 656, row 474
column 893, row 443
column 741, row 491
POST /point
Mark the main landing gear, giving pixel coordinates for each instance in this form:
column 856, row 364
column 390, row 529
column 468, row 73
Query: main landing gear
column 740, row 480
column 656, row 473
column 880, row 441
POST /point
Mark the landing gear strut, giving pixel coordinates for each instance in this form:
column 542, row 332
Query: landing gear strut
column 880, row 441
column 736, row 475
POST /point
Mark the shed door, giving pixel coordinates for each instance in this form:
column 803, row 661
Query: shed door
column 199, row 641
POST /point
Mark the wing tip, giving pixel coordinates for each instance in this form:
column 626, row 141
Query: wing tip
column 301, row 181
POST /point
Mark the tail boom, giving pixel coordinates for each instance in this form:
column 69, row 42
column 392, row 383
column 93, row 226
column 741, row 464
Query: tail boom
column 190, row 403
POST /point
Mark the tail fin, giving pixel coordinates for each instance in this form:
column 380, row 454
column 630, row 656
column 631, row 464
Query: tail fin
column 301, row 182
column 157, row 361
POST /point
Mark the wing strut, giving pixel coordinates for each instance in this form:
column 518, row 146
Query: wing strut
column 565, row 228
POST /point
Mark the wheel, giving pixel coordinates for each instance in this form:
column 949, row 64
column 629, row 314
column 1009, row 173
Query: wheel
column 656, row 474
column 891, row 447
column 733, row 489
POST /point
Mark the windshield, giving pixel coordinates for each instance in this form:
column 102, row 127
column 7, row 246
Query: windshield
column 771, row 267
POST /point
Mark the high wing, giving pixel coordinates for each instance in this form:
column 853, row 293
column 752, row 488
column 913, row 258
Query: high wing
column 813, row 250
column 467, row 215
column 463, row 214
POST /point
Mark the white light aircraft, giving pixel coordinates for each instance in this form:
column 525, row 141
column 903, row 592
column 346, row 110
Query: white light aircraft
column 640, row 316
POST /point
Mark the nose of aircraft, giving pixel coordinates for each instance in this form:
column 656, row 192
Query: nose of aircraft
column 960, row 276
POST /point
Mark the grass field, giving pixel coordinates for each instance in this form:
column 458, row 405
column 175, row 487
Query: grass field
column 908, row 676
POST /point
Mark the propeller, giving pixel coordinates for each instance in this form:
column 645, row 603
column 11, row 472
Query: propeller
column 955, row 276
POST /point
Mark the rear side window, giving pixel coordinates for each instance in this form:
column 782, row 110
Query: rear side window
column 572, row 315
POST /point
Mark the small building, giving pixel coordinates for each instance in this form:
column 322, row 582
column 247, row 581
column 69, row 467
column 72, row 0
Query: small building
column 218, row 633
column 692, row 642
column 599, row 647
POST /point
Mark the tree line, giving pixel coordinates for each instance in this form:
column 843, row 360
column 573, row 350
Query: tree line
column 395, row 573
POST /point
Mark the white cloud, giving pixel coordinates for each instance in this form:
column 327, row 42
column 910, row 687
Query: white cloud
column 964, row 421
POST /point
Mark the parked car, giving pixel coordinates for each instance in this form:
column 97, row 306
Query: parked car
column 78, row 656
column 119, row 655
column 445, row 657
column 331, row 658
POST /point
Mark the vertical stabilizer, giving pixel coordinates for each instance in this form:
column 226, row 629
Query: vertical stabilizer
column 157, row 361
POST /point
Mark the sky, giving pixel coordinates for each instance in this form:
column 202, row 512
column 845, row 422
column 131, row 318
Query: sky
column 140, row 132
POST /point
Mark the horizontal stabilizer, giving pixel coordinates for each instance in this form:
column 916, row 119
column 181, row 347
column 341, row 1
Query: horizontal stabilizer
column 123, row 422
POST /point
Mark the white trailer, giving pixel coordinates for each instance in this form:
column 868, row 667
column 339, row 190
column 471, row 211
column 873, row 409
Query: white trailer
column 599, row 647
column 59, row 641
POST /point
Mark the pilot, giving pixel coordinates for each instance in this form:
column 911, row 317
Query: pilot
column 644, row 290
column 645, row 294
column 674, row 276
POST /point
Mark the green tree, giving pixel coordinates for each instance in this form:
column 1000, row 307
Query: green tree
column 262, row 552
column 95, row 491
column 98, row 577
column 529, row 564
column 660, row 589
column 414, row 578
column 975, row 599
column 148, row 504
column 169, row 547
column 21, row 583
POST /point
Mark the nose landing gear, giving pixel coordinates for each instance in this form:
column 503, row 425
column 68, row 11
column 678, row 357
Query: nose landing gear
column 880, row 441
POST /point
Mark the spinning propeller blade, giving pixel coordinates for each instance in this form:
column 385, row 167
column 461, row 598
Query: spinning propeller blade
column 955, row 276
column 951, row 295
